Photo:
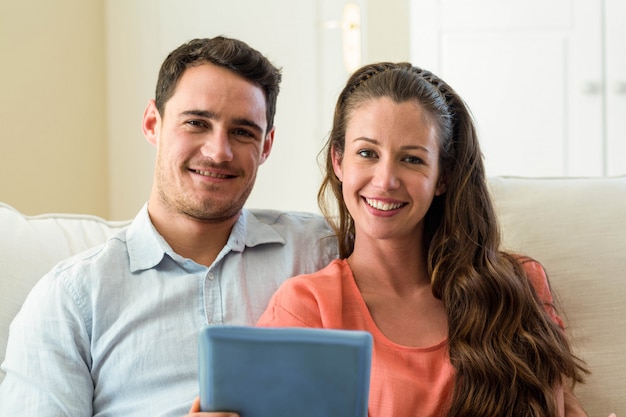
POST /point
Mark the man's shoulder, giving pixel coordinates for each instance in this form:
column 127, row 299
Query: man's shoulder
column 289, row 218
column 302, row 231
column 113, row 248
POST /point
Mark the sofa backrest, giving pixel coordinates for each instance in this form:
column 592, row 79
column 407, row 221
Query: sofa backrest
column 576, row 228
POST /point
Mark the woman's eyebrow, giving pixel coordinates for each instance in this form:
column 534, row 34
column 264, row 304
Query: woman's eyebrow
column 405, row 148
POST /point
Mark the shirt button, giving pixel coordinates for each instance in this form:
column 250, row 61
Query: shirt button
column 210, row 276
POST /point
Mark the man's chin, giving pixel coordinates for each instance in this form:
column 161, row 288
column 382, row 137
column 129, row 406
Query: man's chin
column 214, row 213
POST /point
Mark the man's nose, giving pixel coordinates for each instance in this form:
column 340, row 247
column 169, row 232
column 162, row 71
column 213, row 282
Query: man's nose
column 217, row 146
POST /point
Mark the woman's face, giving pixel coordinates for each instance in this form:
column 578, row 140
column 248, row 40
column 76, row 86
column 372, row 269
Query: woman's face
column 389, row 169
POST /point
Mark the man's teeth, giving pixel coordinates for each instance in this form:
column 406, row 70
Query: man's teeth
column 381, row 205
column 210, row 174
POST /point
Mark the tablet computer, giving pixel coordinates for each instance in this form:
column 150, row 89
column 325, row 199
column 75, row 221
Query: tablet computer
column 276, row 372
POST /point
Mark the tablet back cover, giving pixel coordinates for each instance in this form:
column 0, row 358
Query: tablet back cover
column 275, row 372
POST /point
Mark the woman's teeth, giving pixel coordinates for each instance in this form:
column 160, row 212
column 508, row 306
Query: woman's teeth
column 380, row 205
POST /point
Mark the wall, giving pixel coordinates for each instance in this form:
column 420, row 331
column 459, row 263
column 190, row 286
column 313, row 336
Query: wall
column 388, row 35
column 53, row 150
column 71, row 105
column 133, row 58
column 292, row 34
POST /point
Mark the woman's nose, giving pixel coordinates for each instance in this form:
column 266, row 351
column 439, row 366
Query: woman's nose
column 386, row 175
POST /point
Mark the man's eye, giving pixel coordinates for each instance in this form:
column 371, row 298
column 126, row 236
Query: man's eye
column 196, row 123
column 242, row 132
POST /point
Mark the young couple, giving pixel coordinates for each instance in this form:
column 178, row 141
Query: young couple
column 460, row 328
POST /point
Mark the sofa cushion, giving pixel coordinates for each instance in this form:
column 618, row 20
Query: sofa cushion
column 577, row 229
column 31, row 245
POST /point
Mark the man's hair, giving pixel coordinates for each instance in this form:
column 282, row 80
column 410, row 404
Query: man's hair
column 229, row 53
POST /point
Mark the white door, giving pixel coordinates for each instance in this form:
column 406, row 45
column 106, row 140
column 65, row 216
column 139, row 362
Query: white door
column 533, row 74
column 615, row 36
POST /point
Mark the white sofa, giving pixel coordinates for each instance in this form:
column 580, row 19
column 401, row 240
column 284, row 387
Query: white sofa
column 575, row 227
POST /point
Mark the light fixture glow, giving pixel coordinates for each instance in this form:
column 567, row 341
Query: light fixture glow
column 351, row 36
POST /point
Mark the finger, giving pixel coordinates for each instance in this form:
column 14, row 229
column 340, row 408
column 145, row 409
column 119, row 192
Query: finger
column 195, row 407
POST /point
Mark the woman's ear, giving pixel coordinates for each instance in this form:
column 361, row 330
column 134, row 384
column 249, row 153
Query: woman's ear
column 337, row 159
column 441, row 186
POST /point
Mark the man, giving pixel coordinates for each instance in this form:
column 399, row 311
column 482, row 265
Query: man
column 113, row 331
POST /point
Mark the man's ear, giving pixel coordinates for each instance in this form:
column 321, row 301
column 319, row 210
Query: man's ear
column 151, row 123
column 267, row 145
column 337, row 160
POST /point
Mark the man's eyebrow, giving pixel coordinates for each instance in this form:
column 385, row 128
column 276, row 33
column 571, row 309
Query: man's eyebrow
column 242, row 121
column 201, row 113
column 249, row 123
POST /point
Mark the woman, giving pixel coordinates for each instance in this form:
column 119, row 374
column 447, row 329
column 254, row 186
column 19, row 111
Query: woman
column 460, row 327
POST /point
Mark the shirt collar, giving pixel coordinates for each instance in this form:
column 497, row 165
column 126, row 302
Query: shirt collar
column 250, row 231
column 146, row 247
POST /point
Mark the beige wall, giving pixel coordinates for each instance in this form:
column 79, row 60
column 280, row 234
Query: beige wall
column 76, row 76
column 53, row 153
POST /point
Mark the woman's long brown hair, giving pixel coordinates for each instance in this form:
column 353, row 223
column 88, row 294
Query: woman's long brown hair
column 507, row 353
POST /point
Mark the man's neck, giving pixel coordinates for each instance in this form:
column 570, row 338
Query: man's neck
column 200, row 241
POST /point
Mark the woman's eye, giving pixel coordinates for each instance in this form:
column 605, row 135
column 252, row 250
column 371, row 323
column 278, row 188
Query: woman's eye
column 365, row 153
column 413, row 160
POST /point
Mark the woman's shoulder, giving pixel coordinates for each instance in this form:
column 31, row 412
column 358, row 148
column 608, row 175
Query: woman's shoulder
column 529, row 264
column 538, row 278
column 328, row 278
column 311, row 300
column 535, row 272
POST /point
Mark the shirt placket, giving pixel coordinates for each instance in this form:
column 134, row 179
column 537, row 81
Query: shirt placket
column 213, row 305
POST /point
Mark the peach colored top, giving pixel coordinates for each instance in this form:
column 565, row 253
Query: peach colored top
column 404, row 381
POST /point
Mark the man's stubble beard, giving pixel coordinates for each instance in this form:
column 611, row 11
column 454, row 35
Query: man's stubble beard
column 178, row 201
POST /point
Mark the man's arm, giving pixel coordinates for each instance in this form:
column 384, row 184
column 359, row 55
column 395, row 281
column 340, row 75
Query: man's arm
column 46, row 358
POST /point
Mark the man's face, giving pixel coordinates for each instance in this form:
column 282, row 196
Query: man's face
column 210, row 142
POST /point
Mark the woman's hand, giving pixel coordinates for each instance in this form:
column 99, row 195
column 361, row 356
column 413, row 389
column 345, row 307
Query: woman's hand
column 194, row 411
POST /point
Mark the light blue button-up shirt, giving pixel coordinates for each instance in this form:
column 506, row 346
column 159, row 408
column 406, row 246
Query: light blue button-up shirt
column 114, row 331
